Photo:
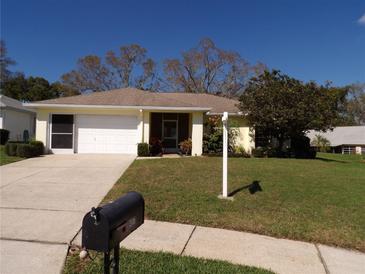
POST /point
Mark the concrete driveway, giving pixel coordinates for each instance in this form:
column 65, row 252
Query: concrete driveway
column 43, row 201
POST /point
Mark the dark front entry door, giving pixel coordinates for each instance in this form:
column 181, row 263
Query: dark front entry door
column 169, row 135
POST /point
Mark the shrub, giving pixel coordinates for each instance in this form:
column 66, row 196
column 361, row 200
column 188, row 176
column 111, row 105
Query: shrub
column 25, row 150
column 300, row 148
column 213, row 136
column 34, row 148
column 37, row 147
column 186, row 146
column 4, row 136
column 10, row 148
column 321, row 143
column 240, row 151
column 259, row 152
column 156, row 147
column 143, row 149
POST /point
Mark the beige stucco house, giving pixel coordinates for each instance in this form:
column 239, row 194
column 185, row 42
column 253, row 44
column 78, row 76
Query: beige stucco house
column 116, row 121
column 16, row 118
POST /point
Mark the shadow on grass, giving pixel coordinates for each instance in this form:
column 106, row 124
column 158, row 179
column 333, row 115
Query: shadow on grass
column 330, row 160
column 252, row 188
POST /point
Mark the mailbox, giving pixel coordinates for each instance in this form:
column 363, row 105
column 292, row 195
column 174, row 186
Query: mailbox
column 103, row 228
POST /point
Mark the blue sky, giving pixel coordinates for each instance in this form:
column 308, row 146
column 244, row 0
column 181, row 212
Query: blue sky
column 310, row 40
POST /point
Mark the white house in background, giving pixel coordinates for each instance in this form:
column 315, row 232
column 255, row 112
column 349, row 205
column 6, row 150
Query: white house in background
column 116, row 121
column 16, row 118
column 345, row 140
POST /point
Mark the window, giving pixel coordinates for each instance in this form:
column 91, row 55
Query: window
column 348, row 150
column 62, row 131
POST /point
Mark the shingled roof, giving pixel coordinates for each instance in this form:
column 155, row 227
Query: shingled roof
column 138, row 98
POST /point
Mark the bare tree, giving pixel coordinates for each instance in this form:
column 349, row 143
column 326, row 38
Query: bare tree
column 355, row 107
column 5, row 62
column 90, row 75
column 148, row 80
column 207, row 68
column 117, row 71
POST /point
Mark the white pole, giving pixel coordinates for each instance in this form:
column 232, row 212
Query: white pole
column 225, row 154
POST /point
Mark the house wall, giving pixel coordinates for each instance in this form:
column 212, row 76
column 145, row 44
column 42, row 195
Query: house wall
column 16, row 122
column 245, row 137
column 43, row 116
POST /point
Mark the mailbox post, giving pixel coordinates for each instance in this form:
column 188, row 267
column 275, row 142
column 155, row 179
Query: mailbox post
column 225, row 154
column 103, row 228
column 224, row 194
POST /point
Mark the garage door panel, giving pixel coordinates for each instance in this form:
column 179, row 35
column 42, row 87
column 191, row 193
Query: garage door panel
column 107, row 134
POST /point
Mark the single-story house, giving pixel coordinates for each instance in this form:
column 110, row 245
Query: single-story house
column 16, row 118
column 116, row 121
column 345, row 140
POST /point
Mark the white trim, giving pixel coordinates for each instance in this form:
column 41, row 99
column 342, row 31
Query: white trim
column 39, row 105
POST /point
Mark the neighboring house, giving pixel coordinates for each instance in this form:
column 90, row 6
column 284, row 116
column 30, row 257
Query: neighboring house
column 345, row 140
column 115, row 121
column 16, row 118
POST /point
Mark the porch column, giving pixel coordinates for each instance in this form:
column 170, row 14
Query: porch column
column 146, row 127
column 42, row 131
column 140, row 126
column 197, row 134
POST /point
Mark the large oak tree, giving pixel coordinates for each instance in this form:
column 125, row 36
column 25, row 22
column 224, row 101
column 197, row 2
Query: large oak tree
column 285, row 108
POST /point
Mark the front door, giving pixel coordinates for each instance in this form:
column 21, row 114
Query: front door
column 169, row 135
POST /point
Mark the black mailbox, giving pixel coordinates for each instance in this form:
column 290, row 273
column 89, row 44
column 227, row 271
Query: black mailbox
column 103, row 228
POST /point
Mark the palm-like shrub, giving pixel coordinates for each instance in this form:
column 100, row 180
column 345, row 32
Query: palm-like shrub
column 322, row 143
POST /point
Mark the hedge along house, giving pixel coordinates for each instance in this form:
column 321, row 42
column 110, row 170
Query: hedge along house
column 116, row 121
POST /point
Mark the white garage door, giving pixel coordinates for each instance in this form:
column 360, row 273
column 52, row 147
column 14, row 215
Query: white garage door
column 106, row 134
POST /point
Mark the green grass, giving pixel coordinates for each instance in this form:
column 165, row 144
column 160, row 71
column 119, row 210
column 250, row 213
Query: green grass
column 5, row 159
column 355, row 158
column 155, row 263
column 320, row 200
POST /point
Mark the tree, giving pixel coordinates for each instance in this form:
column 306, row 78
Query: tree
column 63, row 90
column 116, row 71
column 321, row 142
column 34, row 88
column 5, row 62
column 355, row 105
column 209, row 69
column 285, row 108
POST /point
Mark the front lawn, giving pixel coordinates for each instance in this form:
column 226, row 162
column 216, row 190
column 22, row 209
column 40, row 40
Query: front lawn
column 320, row 200
column 5, row 159
column 155, row 263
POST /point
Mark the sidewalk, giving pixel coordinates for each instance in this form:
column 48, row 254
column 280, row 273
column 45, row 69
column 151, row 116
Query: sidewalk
column 279, row 255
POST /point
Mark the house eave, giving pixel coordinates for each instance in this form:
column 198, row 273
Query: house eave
column 38, row 105
column 229, row 113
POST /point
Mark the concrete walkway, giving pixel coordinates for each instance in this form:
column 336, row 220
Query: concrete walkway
column 278, row 255
column 43, row 201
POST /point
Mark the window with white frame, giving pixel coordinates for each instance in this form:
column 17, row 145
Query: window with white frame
column 348, row 150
